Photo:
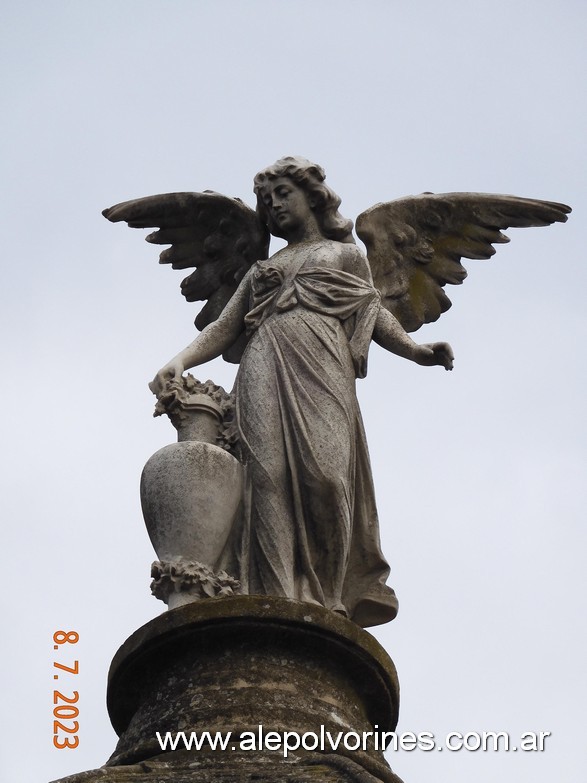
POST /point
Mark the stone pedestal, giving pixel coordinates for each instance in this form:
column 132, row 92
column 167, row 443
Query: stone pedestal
column 250, row 665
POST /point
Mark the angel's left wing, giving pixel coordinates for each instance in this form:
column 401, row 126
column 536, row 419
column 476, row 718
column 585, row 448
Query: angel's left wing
column 415, row 244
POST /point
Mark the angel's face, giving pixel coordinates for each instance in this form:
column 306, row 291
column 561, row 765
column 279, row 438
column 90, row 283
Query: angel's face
column 288, row 207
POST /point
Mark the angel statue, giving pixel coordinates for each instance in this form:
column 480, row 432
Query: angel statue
column 299, row 323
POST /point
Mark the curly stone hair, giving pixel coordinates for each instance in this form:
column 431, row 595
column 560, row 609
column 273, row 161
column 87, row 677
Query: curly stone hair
column 310, row 178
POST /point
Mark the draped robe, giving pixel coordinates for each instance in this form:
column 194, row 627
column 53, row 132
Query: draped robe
column 310, row 529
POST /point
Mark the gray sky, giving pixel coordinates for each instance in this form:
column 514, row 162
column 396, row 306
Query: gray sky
column 480, row 473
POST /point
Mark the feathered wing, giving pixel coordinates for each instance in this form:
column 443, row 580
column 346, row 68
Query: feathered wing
column 220, row 236
column 415, row 244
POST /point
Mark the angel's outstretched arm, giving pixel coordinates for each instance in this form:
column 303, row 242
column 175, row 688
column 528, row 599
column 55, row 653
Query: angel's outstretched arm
column 390, row 334
column 216, row 338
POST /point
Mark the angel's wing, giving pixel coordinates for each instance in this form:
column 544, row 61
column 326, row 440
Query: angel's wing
column 220, row 236
column 414, row 244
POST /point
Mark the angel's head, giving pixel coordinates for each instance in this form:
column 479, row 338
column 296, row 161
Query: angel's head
column 308, row 178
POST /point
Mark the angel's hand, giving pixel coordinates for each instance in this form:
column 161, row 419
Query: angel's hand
column 171, row 372
column 431, row 354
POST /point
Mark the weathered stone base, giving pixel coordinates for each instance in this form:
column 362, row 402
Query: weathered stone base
column 238, row 663
column 320, row 769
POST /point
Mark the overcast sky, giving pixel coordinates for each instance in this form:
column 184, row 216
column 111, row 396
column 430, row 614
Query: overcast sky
column 480, row 473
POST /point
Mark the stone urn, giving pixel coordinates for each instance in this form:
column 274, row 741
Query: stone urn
column 191, row 494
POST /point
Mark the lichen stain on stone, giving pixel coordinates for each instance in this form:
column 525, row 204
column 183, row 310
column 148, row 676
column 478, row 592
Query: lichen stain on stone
column 279, row 686
column 337, row 719
column 240, row 683
column 330, row 700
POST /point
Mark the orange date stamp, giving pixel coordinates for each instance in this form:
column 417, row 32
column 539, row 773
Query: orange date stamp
column 65, row 725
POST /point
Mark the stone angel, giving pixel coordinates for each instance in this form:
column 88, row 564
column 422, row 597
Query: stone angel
column 299, row 323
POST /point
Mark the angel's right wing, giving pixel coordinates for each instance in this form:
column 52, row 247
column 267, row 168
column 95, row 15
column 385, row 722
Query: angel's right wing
column 415, row 244
column 220, row 236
